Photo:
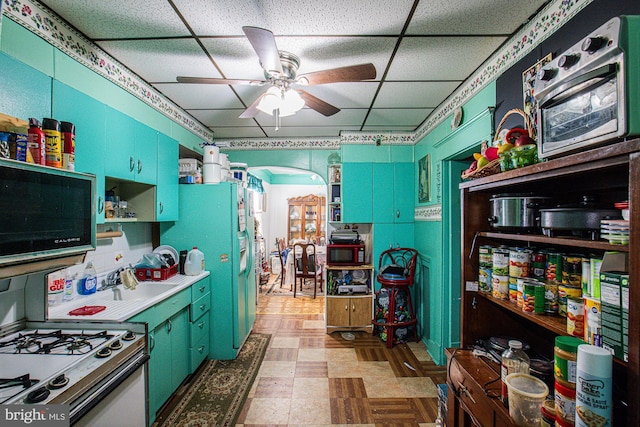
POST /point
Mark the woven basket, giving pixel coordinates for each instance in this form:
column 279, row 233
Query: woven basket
column 493, row 167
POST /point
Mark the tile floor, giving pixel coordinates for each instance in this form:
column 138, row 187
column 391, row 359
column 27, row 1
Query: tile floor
column 313, row 379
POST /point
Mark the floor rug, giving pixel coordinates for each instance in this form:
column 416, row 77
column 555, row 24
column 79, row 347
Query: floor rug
column 216, row 397
column 274, row 289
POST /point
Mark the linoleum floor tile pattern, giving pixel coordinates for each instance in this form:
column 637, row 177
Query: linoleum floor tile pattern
column 310, row 378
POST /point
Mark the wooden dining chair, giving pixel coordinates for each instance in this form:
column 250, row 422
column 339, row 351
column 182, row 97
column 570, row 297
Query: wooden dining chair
column 280, row 249
column 306, row 266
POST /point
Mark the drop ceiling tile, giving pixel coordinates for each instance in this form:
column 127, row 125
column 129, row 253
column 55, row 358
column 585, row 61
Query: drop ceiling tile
column 309, row 117
column 471, row 17
column 413, row 94
column 308, row 131
column 195, row 96
column 387, row 129
column 215, row 118
column 219, row 17
column 161, row 60
column 398, row 117
column 99, row 19
column 420, row 58
column 223, row 132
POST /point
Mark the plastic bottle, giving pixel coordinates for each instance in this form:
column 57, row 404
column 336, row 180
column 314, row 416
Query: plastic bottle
column 593, row 386
column 36, row 142
column 88, row 282
column 514, row 360
column 194, row 264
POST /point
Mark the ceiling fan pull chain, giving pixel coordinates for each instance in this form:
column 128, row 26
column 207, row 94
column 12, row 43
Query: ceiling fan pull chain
column 277, row 114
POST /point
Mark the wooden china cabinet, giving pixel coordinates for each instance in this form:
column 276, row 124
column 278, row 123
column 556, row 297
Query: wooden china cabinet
column 610, row 173
column 307, row 218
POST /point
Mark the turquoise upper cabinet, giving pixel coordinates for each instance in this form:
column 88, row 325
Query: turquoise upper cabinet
column 146, row 153
column 393, row 198
column 357, row 192
column 88, row 115
column 167, row 179
column 131, row 149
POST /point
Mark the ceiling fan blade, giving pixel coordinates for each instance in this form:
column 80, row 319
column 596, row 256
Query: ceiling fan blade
column 318, row 104
column 252, row 110
column 265, row 46
column 214, row 81
column 354, row 73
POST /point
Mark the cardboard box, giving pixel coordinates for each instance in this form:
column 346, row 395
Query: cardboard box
column 614, row 283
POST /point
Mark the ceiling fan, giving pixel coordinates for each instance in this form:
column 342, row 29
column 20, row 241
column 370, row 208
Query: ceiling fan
column 280, row 71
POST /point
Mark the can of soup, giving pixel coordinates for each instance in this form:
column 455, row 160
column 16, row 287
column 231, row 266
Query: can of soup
column 518, row 262
column 564, row 292
column 575, row 317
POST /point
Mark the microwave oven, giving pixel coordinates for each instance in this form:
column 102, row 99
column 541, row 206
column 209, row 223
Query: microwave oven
column 346, row 254
column 45, row 214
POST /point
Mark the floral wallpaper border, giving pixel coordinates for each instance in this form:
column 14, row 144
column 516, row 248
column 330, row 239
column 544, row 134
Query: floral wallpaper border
column 38, row 19
column 428, row 213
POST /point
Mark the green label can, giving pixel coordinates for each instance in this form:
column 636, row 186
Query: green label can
column 533, row 296
column 554, row 266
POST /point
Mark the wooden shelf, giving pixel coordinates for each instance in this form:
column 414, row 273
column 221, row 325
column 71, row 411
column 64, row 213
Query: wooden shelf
column 556, row 241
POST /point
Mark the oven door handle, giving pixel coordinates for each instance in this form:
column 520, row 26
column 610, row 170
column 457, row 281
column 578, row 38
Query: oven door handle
column 577, row 84
column 117, row 378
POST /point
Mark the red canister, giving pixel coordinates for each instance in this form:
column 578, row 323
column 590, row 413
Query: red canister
column 36, row 142
column 68, row 145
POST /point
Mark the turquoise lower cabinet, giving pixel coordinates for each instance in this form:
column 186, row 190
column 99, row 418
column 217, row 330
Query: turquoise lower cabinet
column 199, row 323
column 357, row 192
column 169, row 340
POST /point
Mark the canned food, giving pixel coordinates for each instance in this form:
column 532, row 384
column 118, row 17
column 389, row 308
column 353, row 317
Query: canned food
column 585, row 276
column 484, row 279
column 500, row 262
column 575, row 317
column 592, row 321
column 485, row 256
column 554, row 266
column 520, row 292
column 551, row 297
column 500, row 286
column 513, row 290
column 572, row 270
column 564, row 292
column 533, row 297
column 518, row 262
column 538, row 265
column 594, row 276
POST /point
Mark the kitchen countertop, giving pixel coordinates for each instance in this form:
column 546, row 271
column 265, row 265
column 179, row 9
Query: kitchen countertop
column 133, row 302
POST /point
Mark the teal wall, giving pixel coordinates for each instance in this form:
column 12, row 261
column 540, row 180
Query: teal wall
column 26, row 87
column 438, row 241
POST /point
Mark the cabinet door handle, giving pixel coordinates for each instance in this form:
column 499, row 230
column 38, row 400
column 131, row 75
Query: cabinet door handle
column 169, row 325
column 100, row 204
column 201, row 349
column 152, row 342
column 161, row 208
column 353, row 308
column 463, row 389
column 203, row 307
column 201, row 289
column 346, row 307
column 132, row 163
column 201, row 325
column 139, row 166
column 398, row 213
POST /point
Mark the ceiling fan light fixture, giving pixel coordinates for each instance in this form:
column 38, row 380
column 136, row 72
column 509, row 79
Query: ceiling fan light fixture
column 271, row 100
column 292, row 102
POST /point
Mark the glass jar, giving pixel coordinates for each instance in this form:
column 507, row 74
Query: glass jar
column 524, row 155
column 565, row 357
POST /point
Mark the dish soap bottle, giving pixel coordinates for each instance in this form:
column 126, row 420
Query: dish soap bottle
column 514, row 359
column 88, row 282
column 194, row 264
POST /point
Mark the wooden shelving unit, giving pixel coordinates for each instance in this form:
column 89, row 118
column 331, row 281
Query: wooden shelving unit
column 611, row 173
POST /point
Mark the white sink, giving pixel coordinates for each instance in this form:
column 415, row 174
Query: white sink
column 144, row 291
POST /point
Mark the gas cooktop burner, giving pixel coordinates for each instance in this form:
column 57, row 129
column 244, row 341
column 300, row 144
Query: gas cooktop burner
column 55, row 342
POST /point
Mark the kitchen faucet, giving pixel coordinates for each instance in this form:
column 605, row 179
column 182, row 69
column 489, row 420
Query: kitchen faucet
column 111, row 282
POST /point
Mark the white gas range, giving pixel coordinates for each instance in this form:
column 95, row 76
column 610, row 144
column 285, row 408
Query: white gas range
column 72, row 363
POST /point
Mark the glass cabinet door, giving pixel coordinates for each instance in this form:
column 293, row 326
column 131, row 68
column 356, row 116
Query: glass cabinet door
column 295, row 222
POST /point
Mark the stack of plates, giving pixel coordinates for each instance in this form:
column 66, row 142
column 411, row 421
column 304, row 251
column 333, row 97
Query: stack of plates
column 616, row 231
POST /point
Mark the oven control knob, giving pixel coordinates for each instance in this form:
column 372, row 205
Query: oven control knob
column 567, row 61
column 592, row 44
column 547, row 74
column 37, row 395
column 58, row 382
